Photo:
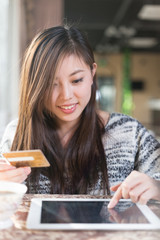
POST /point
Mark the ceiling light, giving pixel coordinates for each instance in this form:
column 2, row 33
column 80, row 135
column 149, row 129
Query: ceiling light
column 142, row 42
column 111, row 31
column 149, row 12
column 127, row 31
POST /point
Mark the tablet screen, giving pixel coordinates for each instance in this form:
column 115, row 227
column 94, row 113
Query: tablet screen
column 93, row 214
column 90, row 212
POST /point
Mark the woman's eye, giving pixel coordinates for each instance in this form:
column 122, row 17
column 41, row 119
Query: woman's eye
column 55, row 84
column 78, row 80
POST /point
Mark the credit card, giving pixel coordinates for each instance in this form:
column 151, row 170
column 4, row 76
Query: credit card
column 31, row 158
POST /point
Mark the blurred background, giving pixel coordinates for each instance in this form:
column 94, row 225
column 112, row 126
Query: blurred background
column 125, row 37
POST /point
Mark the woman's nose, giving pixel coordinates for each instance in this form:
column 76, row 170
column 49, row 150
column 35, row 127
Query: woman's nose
column 66, row 92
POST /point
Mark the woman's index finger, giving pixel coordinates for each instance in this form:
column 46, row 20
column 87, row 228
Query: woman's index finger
column 117, row 196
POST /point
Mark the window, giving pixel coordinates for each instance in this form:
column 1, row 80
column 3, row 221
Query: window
column 9, row 61
column 106, row 93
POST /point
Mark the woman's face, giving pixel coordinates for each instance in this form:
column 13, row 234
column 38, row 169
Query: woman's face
column 71, row 89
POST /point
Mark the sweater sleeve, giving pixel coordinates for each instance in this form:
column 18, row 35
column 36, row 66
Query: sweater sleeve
column 130, row 146
column 147, row 158
column 8, row 137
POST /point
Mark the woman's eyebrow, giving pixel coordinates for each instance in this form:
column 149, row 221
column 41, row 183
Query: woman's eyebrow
column 77, row 71
column 73, row 73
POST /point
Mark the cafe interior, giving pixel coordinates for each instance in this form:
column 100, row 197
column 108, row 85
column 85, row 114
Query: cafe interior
column 125, row 37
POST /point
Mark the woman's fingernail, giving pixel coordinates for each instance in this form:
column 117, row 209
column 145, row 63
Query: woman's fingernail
column 27, row 170
column 112, row 203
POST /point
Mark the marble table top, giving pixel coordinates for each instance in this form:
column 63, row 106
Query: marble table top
column 19, row 231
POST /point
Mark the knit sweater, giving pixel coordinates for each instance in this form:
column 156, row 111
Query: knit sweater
column 128, row 146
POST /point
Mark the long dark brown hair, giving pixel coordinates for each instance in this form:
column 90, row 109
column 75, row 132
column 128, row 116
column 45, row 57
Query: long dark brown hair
column 83, row 160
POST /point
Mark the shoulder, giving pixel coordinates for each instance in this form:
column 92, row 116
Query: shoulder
column 112, row 120
column 8, row 136
column 119, row 120
column 130, row 128
column 123, row 125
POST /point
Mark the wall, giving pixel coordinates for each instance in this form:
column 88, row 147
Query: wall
column 144, row 66
column 147, row 68
column 37, row 15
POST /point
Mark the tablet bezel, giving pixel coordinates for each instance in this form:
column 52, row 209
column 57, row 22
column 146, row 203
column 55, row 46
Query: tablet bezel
column 33, row 219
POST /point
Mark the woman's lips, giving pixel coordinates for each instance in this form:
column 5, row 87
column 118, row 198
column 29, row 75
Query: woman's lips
column 68, row 108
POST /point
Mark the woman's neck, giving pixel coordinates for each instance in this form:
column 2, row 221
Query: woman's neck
column 104, row 116
column 66, row 131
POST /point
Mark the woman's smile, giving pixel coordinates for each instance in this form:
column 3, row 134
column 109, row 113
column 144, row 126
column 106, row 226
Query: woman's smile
column 68, row 108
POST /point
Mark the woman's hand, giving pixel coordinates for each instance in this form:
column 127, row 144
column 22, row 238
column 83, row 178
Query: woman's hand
column 10, row 173
column 138, row 187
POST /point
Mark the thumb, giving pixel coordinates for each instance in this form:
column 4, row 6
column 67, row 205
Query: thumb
column 115, row 187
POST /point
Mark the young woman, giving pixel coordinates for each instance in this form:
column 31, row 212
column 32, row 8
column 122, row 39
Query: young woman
column 90, row 151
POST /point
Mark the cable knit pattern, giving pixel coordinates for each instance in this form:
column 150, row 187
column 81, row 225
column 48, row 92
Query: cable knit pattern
column 128, row 146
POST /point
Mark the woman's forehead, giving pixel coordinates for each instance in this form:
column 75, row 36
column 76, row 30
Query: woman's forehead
column 71, row 62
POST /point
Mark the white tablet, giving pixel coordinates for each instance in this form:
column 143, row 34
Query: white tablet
column 78, row 214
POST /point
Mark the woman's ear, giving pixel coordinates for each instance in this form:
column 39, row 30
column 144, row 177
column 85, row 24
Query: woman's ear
column 94, row 68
